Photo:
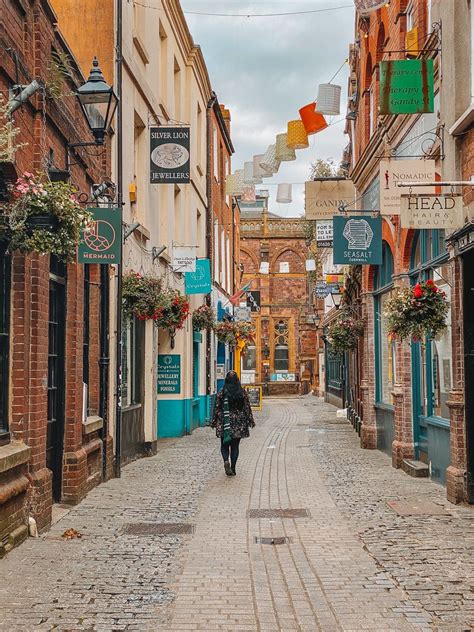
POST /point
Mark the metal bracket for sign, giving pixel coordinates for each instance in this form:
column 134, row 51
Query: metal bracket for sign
column 344, row 209
column 443, row 183
column 156, row 252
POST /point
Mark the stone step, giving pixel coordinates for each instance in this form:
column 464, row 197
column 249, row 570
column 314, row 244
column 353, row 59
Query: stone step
column 417, row 469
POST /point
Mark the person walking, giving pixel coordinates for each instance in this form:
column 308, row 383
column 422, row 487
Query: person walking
column 232, row 419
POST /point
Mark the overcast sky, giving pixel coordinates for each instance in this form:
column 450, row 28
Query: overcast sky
column 265, row 68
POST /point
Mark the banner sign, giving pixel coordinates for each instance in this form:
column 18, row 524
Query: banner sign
column 169, row 155
column 101, row 239
column 406, row 86
column 324, row 234
column 184, row 259
column 358, row 240
column 321, row 289
column 394, row 171
column 199, row 282
column 242, row 315
column 324, row 197
column 169, row 374
column 432, row 211
column 253, row 300
column 338, row 279
column 366, row 6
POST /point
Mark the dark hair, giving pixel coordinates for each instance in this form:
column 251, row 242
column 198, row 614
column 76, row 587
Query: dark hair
column 233, row 390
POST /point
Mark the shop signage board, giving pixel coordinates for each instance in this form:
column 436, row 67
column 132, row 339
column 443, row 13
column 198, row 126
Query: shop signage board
column 283, row 377
column 358, row 240
column 406, row 86
column 184, row 259
column 255, row 396
column 324, row 197
column 364, row 7
column 321, row 289
column 324, row 234
column 100, row 240
column 432, row 211
column 242, row 315
column 393, row 172
column 254, row 300
column 169, row 374
column 199, row 282
column 169, row 155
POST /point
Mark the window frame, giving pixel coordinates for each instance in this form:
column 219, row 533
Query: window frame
column 5, row 342
column 383, row 284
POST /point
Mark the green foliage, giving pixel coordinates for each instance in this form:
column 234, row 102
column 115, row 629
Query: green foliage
column 31, row 198
column 59, row 70
column 328, row 168
column 203, row 318
column 8, row 134
column 344, row 331
column 419, row 311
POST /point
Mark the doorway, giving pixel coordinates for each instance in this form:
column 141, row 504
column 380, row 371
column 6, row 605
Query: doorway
column 468, row 310
column 56, row 372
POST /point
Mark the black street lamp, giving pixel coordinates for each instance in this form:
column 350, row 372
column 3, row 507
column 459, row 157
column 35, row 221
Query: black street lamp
column 98, row 102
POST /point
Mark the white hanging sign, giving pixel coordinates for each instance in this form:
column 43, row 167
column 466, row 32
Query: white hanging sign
column 432, row 211
column 323, row 198
column 184, row 259
column 242, row 314
column 394, row 171
column 324, row 234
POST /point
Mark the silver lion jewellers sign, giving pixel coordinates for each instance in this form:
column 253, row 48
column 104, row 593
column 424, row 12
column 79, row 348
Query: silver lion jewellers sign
column 169, row 155
column 432, row 211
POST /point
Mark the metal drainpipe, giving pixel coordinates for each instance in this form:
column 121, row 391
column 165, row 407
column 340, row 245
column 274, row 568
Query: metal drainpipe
column 104, row 361
column 118, row 359
column 209, row 227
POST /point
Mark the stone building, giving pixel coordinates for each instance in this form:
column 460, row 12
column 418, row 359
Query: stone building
column 409, row 399
column 284, row 354
column 54, row 433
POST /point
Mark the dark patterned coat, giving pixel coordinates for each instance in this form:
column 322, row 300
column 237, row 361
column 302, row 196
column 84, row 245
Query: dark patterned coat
column 240, row 419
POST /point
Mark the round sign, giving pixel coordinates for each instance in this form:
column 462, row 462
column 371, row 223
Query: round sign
column 170, row 156
column 99, row 235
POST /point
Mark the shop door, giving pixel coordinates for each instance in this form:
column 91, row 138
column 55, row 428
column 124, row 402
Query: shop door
column 195, row 401
column 468, row 283
column 420, row 401
column 56, row 377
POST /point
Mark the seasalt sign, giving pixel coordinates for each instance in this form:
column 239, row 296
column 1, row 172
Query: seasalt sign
column 393, row 172
column 169, row 155
column 432, row 211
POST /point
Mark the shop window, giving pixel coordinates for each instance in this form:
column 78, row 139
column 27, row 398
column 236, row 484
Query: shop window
column 132, row 362
column 249, row 360
column 5, row 276
column 281, row 351
column 385, row 346
column 86, row 338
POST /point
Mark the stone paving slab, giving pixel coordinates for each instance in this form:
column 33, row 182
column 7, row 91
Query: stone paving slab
column 351, row 563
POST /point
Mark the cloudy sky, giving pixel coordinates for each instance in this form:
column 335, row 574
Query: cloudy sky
column 265, row 68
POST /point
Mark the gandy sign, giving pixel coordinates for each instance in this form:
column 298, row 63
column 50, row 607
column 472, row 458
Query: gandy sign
column 323, row 198
column 432, row 211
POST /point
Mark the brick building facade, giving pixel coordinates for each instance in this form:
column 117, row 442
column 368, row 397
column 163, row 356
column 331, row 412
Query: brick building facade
column 284, row 355
column 51, row 449
column 409, row 399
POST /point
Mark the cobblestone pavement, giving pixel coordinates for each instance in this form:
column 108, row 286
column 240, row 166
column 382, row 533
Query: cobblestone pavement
column 351, row 562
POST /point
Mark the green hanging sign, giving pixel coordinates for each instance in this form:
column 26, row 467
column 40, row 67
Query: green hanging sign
column 169, row 374
column 357, row 240
column 199, row 282
column 406, row 86
column 100, row 240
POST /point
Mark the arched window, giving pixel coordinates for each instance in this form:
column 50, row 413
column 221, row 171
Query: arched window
column 281, row 360
column 384, row 346
column 369, row 96
column 5, row 280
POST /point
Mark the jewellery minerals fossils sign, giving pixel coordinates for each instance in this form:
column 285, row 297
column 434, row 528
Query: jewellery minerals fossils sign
column 169, row 155
column 169, row 373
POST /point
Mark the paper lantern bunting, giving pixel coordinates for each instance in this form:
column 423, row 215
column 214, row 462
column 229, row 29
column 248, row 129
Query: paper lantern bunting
column 234, row 183
column 283, row 152
column 249, row 176
column 248, row 195
column 284, row 193
column 329, row 99
column 258, row 170
column 269, row 162
column 297, row 136
column 313, row 121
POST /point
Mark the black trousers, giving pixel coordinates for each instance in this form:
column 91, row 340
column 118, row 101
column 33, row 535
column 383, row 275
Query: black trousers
column 233, row 449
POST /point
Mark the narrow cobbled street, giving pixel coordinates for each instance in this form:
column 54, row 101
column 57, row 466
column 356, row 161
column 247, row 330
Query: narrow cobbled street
column 297, row 541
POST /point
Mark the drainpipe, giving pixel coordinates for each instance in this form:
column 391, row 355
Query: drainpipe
column 209, row 228
column 118, row 322
column 104, row 362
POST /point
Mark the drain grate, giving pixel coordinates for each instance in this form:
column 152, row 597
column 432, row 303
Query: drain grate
column 278, row 513
column 273, row 541
column 157, row 528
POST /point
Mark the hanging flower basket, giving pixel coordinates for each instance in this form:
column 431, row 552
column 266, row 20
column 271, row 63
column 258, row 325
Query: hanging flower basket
column 45, row 217
column 344, row 331
column 203, row 318
column 172, row 311
column 226, row 332
column 419, row 311
column 141, row 296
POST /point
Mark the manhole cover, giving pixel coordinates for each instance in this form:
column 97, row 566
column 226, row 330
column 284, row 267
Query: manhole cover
column 157, row 528
column 417, row 508
column 278, row 513
column 274, row 541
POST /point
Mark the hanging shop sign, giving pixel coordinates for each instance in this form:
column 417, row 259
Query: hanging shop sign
column 393, row 172
column 169, row 374
column 255, row 396
column 169, row 155
column 432, row 211
column 358, row 240
column 242, row 315
column 100, row 240
column 406, row 86
column 323, row 198
column 324, row 234
column 253, row 300
column 184, row 259
column 199, row 282
column 364, row 7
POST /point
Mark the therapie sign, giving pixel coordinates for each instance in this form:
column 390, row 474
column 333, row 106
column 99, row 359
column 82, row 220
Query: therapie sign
column 432, row 211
